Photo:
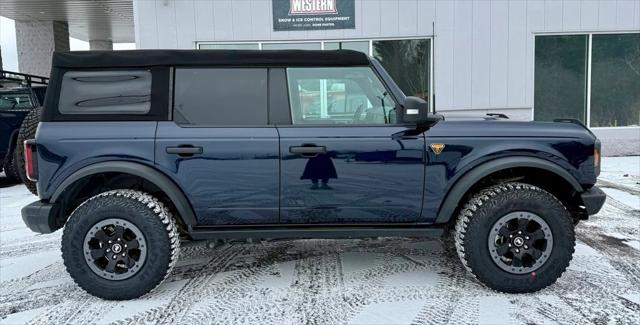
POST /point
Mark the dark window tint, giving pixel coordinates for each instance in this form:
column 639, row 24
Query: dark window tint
column 615, row 80
column 221, row 96
column 105, row 92
column 560, row 77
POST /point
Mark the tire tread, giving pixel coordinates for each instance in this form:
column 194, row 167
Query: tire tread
column 153, row 204
column 469, row 214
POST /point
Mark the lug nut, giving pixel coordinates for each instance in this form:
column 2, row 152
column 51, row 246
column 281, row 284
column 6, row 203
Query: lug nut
column 108, row 250
column 519, row 232
column 517, row 250
column 114, row 257
column 510, row 236
column 125, row 245
column 526, row 237
column 110, row 241
column 526, row 247
column 509, row 244
column 122, row 254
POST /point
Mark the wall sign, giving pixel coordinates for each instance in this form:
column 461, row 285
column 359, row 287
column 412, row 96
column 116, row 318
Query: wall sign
column 313, row 14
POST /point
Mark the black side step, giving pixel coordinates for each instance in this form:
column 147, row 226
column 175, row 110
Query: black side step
column 310, row 231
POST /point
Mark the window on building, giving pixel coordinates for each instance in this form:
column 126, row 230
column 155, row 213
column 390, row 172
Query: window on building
column 615, row 80
column 338, row 96
column 220, row 96
column 105, row 92
column 232, row 46
column 563, row 64
column 292, row 46
column 408, row 63
column 560, row 77
column 360, row 46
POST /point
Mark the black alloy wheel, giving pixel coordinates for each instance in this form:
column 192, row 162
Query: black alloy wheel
column 115, row 249
column 520, row 242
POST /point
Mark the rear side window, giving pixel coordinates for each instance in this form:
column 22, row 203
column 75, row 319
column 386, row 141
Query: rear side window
column 105, row 92
column 220, row 96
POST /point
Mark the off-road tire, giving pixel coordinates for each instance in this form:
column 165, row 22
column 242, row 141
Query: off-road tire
column 479, row 215
column 149, row 215
column 27, row 132
column 9, row 167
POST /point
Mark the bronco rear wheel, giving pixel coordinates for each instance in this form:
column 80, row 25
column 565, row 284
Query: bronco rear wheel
column 120, row 244
column 515, row 237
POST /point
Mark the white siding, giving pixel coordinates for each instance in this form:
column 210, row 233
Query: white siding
column 167, row 27
column 444, row 53
column 463, row 67
column 570, row 21
column 484, row 49
column 481, row 55
column 186, row 29
column 517, row 54
column 499, row 53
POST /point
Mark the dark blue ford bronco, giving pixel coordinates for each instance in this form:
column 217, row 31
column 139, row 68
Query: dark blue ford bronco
column 138, row 150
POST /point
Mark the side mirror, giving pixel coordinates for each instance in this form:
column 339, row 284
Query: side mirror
column 416, row 111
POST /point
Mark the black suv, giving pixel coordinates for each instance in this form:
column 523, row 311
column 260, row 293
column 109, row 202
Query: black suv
column 138, row 150
column 20, row 98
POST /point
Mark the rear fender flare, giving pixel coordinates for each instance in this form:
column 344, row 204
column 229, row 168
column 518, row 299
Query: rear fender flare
column 466, row 181
column 153, row 176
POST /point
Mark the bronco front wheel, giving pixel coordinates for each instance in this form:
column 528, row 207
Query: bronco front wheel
column 515, row 237
column 120, row 244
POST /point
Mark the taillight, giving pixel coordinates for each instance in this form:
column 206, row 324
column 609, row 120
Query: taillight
column 30, row 163
column 597, row 157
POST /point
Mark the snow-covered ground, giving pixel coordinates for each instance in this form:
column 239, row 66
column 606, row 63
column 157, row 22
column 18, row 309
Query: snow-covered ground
column 381, row 281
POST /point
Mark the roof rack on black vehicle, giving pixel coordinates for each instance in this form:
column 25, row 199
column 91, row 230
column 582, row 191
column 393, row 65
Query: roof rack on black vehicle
column 8, row 77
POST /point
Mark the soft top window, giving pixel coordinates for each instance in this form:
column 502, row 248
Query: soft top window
column 105, row 92
column 220, row 96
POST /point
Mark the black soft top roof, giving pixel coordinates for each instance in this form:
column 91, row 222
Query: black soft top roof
column 148, row 58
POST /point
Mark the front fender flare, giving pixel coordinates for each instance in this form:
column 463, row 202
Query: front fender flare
column 151, row 175
column 457, row 192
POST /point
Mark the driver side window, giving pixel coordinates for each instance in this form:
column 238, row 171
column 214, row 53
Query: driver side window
column 350, row 95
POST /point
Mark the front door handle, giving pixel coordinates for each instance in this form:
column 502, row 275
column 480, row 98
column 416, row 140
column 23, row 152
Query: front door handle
column 184, row 150
column 308, row 150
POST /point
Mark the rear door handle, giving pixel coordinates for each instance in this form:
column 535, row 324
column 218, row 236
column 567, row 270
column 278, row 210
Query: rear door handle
column 184, row 150
column 308, row 150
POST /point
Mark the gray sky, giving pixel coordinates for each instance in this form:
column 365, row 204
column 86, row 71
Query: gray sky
column 10, row 53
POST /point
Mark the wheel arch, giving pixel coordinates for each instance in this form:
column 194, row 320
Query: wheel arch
column 476, row 174
column 160, row 180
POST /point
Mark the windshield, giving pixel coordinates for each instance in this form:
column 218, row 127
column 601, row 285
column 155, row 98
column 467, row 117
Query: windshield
column 15, row 101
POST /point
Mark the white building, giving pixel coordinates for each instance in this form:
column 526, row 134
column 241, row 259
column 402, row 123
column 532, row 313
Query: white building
column 529, row 59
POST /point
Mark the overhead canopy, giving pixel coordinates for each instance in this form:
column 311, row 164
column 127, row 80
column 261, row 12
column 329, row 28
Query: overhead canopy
column 88, row 20
column 148, row 58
